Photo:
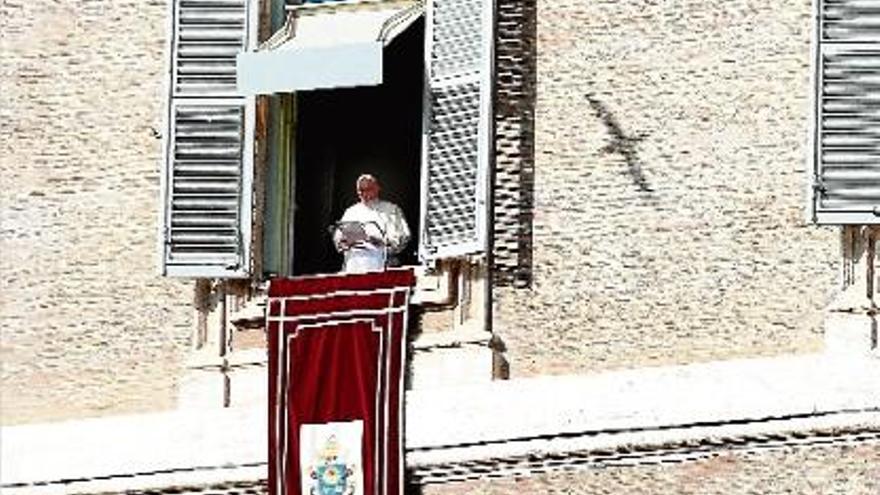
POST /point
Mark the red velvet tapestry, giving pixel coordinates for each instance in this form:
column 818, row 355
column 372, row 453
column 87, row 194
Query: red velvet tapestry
column 336, row 363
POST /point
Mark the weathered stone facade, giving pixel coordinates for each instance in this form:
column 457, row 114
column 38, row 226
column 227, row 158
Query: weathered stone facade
column 89, row 328
column 649, row 209
column 657, row 153
column 664, row 200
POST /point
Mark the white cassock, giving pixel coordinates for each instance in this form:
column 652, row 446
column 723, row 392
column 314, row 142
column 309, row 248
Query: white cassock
column 380, row 219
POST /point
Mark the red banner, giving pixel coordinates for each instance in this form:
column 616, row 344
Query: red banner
column 336, row 362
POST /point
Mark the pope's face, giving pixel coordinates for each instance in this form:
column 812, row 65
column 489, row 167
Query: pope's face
column 367, row 190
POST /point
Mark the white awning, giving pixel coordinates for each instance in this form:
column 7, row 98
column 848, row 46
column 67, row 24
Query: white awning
column 329, row 45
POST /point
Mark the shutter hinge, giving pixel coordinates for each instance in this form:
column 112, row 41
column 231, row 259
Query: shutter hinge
column 167, row 234
column 819, row 187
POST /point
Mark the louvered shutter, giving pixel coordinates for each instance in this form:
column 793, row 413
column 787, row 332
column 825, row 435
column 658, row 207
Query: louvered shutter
column 207, row 175
column 846, row 151
column 456, row 147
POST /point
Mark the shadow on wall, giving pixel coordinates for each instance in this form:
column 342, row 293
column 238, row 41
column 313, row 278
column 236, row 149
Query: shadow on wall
column 514, row 179
column 622, row 144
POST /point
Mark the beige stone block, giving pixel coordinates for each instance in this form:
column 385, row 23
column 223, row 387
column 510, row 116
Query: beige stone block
column 851, row 333
column 203, row 388
column 248, row 378
column 451, row 358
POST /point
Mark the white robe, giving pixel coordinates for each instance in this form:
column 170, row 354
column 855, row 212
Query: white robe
column 380, row 219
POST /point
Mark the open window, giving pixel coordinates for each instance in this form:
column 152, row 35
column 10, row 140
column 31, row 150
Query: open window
column 400, row 88
column 344, row 132
column 265, row 141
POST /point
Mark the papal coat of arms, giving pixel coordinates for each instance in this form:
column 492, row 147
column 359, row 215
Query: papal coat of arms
column 332, row 458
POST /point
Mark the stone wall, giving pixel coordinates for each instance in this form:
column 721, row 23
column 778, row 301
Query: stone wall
column 89, row 328
column 651, row 191
column 654, row 170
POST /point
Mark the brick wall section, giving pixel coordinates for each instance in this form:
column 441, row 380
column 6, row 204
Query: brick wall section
column 89, row 328
column 818, row 470
column 669, row 189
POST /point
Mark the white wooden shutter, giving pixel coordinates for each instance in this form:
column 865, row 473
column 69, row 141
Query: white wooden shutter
column 846, row 137
column 207, row 173
column 208, row 34
column 457, row 128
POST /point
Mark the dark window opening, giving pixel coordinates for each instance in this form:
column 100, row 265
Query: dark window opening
column 344, row 132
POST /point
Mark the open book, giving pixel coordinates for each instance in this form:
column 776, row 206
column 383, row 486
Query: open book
column 351, row 232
